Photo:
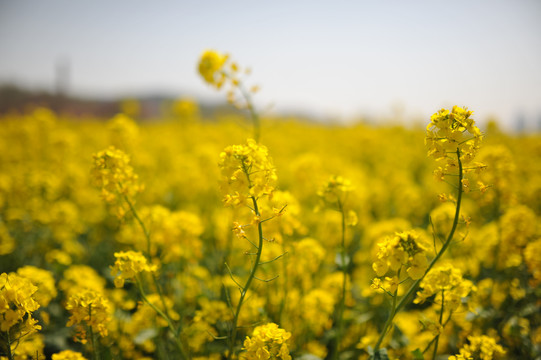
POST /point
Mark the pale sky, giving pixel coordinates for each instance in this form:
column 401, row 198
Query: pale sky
column 329, row 58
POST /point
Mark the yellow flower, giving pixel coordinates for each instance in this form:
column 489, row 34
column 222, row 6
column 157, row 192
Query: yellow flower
column 90, row 308
column 267, row 342
column 418, row 266
column 16, row 302
column 210, row 65
column 449, row 132
column 247, row 171
column 68, row 355
column 44, row 281
column 480, row 347
column 128, row 264
column 113, row 174
column 335, row 190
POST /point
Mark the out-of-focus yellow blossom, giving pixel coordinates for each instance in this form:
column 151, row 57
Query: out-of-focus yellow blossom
column 130, row 107
column 128, row 264
column 185, row 108
column 318, row 306
column 17, row 304
column 335, row 190
column 402, row 249
column 533, row 261
column 210, row 66
column 78, row 278
column 247, row 171
column 309, row 255
column 267, row 342
column 518, row 227
column 90, row 309
column 7, row 243
column 123, row 132
column 175, row 234
column 44, row 281
column 113, row 174
column 68, row 355
column 480, row 347
column 202, row 329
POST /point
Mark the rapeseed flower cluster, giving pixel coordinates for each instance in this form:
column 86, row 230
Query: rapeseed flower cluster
column 403, row 250
column 88, row 310
column 480, row 347
column 247, row 172
column 447, row 283
column 113, row 174
column 17, row 305
column 128, row 265
column 267, row 342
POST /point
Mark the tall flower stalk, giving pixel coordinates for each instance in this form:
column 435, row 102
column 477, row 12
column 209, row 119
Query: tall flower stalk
column 119, row 185
column 453, row 140
column 248, row 175
column 334, row 194
column 219, row 71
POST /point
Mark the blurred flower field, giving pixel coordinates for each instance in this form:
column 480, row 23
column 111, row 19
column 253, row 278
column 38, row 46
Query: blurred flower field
column 193, row 238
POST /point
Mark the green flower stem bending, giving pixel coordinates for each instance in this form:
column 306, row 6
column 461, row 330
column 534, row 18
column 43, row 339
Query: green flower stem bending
column 166, row 318
column 341, row 304
column 8, row 347
column 95, row 354
column 245, row 288
column 441, row 326
column 413, row 287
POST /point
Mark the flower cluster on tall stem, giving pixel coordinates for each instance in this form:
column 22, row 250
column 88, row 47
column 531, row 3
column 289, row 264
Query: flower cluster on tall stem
column 218, row 71
column 247, row 175
column 453, row 140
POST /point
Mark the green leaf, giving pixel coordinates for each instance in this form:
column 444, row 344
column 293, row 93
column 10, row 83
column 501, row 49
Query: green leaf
column 417, row 354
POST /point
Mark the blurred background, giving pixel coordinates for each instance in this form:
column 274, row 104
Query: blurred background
column 379, row 61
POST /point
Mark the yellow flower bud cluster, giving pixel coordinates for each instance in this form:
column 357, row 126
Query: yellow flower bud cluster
column 91, row 309
column 218, row 71
column 68, row 355
column 267, row 342
column 113, row 174
column 480, row 347
column 447, row 279
column 17, row 304
column 247, row 172
column 402, row 249
column 334, row 191
column 449, row 132
column 210, row 67
column 452, row 130
column 128, row 264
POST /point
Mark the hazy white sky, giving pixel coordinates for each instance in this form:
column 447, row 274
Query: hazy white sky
column 337, row 58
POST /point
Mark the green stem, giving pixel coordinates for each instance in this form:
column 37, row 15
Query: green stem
column 93, row 341
column 10, row 354
column 441, row 327
column 166, row 318
column 411, row 290
column 141, row 223
column 176, row 332
column 245, row 288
